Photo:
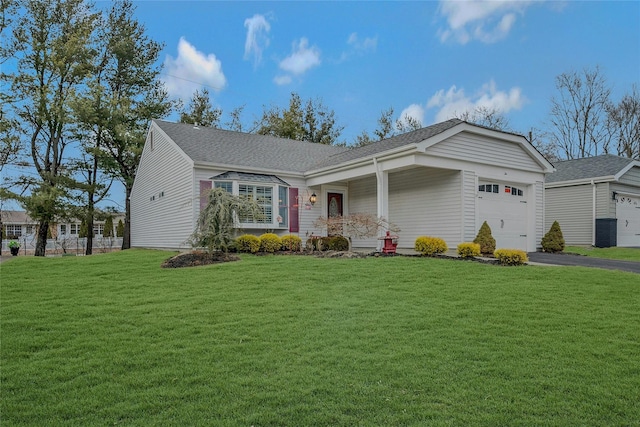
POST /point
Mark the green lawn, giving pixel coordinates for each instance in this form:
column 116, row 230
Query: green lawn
column 302, row 341
column 626, row 254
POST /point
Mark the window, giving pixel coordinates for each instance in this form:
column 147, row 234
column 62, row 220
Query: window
column 283, row 206
column 63, row 229
column 74, row 229
column 514, row 191
column 31, row 229
column 13, row 231
column 263, row 196
column 98, row 229
column 489, row 188
column 225, row 185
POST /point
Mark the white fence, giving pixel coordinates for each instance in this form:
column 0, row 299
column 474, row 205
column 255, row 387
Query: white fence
column 65, row 245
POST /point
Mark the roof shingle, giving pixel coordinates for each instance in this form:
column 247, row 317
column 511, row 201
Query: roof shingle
column 588, row 167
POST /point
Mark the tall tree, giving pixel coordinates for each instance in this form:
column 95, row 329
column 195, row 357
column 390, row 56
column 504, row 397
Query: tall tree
column 489, row 117
column 132, row 95
column 310, row 121
column 578, row 114
column 623, row 121
column 387, row 128
column 52, row 52
column 200, row 111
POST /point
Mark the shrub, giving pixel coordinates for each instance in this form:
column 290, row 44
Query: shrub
column 427, row 245
column 485, row 239
column 248, row 243
column 339, row 243
column 511, row 256
column 553, row 241
column 324, row 243
column 313, row 243
column 291, row 242
column 468, row 250
column 270, row 242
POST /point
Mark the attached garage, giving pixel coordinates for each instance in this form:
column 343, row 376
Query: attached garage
column 504, row 207
column 628, row 219
column 595, row 197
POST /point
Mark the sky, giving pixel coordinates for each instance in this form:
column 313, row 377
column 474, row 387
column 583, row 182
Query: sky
column 428, row 59
column 431, row 60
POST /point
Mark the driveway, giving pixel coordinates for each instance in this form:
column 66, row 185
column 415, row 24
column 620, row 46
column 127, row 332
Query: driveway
column 583, row 261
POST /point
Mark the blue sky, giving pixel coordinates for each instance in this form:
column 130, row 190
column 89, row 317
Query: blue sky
column 427, row 59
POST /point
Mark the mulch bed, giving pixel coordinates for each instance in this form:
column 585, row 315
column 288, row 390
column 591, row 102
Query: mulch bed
column 194, row 259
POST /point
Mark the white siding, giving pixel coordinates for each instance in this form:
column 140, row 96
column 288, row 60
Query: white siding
column 605, row 205
column 473, row 148
column 539, row 212
column 469, row 199
column 572, row 207
column 363, row 199
column 426, row 202
column 632, row 177
column 161, row 205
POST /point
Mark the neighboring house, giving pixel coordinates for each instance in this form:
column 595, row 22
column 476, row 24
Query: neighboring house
column 18, row 225
column 443, row 180
column 596, row 201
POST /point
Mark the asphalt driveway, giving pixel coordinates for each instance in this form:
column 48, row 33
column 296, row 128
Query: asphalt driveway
column 583, row 261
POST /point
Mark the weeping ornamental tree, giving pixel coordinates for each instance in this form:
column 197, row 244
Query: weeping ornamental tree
column 218, row 219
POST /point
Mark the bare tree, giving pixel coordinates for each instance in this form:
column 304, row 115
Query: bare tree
column 489, row 117
column 623, row 122
column 578, row 114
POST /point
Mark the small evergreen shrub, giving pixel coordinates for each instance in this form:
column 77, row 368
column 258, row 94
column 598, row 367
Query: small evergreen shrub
column 120, row 229
column 468, row 250
column 248, row 243
column 511, row 256
column 270, row 242
column 324, row 243
column 291, row 242
column 428, row 245
column 339, row 243
column 553, row 241
column 485, row 239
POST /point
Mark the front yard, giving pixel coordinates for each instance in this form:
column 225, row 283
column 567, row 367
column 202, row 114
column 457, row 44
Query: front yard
column 291, row 340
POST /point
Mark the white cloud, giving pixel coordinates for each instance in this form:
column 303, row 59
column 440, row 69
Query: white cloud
column 282, row 80
column 415, row 111
column 302, row 58
column 362, row 45
column 454, row 101
column 487, row 21
column 257, row 37
column 192, row 70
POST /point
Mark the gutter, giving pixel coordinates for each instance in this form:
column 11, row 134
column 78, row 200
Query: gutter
column 593, row 207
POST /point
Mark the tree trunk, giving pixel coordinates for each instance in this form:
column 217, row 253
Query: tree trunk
column 41, row 242
column 126, row 238
column 89, row 249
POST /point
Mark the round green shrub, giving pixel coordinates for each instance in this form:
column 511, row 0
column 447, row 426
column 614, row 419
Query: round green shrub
column 553, row 241
column 485, row 239
column 428, row 245
column 270, row 242
column 325, row 243
column 339, row 243
column 291, row 242
column 511, row 256
column 468, row 250
column 248, row 243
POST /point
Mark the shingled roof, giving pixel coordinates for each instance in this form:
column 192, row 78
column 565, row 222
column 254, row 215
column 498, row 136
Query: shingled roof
column 224, row 147
column 588, row 167
column 397, row 141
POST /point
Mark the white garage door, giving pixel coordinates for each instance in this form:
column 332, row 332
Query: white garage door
column 628, row 214
column 504, row 207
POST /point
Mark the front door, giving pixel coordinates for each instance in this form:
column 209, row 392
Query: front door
column 334, row 209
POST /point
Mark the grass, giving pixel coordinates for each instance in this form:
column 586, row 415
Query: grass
column 626, row 254
column 284, row 340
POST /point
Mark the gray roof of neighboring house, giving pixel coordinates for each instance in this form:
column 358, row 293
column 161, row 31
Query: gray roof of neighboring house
column 408, row 138
column 588, row 167
column 219, row 146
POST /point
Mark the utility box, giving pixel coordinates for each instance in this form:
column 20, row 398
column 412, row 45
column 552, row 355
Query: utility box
column 606, row 232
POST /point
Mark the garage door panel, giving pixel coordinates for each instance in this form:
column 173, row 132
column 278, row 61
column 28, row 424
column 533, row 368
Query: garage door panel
column 506, row 214
column 628, row 219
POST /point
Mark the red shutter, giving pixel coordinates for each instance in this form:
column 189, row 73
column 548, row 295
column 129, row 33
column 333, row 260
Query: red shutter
column 294, row 226
column 205, row 186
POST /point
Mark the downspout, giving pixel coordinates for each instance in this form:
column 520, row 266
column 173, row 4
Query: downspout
column 379, row 201
column 593, row 214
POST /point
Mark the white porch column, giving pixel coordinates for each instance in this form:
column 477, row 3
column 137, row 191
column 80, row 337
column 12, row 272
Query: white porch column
column 382, row 193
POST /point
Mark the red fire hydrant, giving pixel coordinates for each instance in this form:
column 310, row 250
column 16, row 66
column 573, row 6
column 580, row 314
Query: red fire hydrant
column 390, row 243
